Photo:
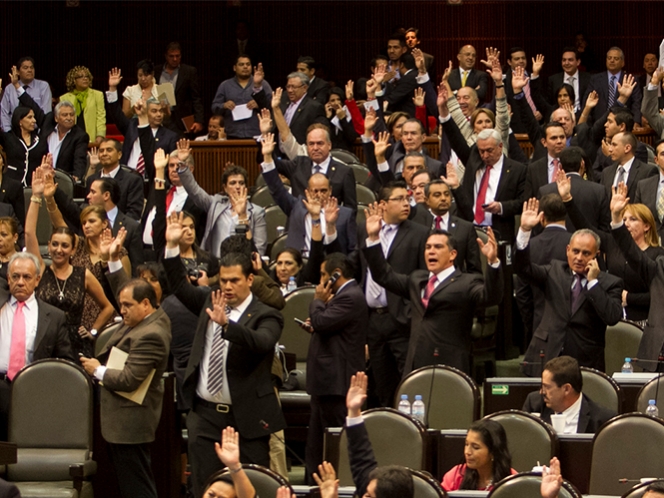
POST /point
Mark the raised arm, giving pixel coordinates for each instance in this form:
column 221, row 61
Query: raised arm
column 228, row 453
column 31, row 240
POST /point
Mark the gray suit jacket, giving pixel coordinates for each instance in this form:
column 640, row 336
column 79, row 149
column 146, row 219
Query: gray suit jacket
column 650, row 110
column 646, row 193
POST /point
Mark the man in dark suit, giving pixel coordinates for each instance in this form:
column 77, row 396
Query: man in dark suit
column 22, row 346
column 649, row 191
column 543, row 171
column 467, row 75
column 128, row 426
column 338, row 325
column 652, row 103
column 570, row 75
column 562, row 383
column 228, row 380
column 650, row 65
column 399, row 94
column 413, row 41
column 533, row 93
column 435, row 215
column 589, row 196
column 318, row 89
column 627, row 168
column 580, row 300
column 443, row 299
column 606, row 84
column 185, row 82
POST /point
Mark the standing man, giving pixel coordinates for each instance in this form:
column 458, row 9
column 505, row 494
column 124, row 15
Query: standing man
column 571, row 76
column 184, row 79
column 413, row 41
column 651, row 190
column 127, row 426
column 228, row 380
column 318, row 89
column 467, row 75
column 39, row 90
column 517, row 59
column 396, row 47
column 626, row 169
column 338, row 326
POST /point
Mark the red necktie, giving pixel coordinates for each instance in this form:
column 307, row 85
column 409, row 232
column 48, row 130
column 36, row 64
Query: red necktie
column 140, row 165
column 481, row 196
column 556, row 167
column 169, row 197
column 17, row 347
column 431, row 286
column 439, row 220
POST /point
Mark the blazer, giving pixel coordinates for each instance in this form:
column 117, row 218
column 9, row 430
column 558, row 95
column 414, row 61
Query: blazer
column 131, row 191
column 476, row 80
column 516, row 123
column 361, row 456
column 399, row 95
column 591, row 415
column 148, row 345
column 11, row 192
column 600, row 83
column 336, row 349
column 249, row 355
column 319, row 91
column 579, row 334
column 217, row 207
column 639, row 171
column 557, row 80
column 307, row 113
column 94, row 113
column 650, row 110
column 646, row 193
column 73, row 155
column 444, row 325
column 187, row 97
column 134, row 241
column 468, row 252
column 536, row 177
column 296, row 211
column 342, row 179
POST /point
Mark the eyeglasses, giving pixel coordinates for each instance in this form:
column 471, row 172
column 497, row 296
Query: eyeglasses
column 398, row 199
column 293, row 87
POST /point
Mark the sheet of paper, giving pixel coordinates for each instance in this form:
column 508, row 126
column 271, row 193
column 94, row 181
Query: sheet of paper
column 116, row 361
column 661, row 54
column 241, row 112
column 167, row 90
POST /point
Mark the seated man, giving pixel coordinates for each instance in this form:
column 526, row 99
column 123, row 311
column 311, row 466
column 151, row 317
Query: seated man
column 216, row 129
column 467, row 75
column 654, row 490
column 562, row 383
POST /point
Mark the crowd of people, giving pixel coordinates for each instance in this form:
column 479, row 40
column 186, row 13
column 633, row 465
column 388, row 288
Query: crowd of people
column 396, row 289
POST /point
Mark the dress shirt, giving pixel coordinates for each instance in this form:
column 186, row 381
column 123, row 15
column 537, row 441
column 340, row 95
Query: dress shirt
column 492, row 189
column 111, row 174
column 444, row 222
column 179, row 198
column 54, row 144
column 232, row 90
column 171, row 78
column 609, row 75
column 111, row 215
column 31, row 314
column 573, row 81
column 323, row 166
column 386, row 240
column 134, row 93
column 206, row 137
column 290, row 110
column 39, row 90
column 135, row 153
column 440, row 276
column 572, row 416
column 327, row 239
column 627, row 166
column 660, row 186
column 550, row 169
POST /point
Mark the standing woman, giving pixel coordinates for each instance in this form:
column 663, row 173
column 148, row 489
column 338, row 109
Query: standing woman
column 89, row 103
column 8, row 240
column 22, row 145
column 63, row 285
column 144, row 89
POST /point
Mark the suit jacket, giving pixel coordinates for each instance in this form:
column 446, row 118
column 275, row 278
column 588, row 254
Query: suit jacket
column 590, row 197
column 148, row 344
column 557, row 80
column 516, row 123
column 134, row 241
column 537, row 176
column 399, row 95
column 468, row 253
column 600, row 83
column 297, row 212
column 650, row 110
column 307, row 113
column 646, row 193
column 591, row 415
column 73, row 155
column 336, row 349
column 11, row 192
column 217, row 206
column 474, row 80
column 579, row 334
column 187, row 97
column 131, row 191
column 445, row 324
column 639, row 171
column 361, row 456
column 342, row 179
column 318, row 90
column 94, row 113
column 249, row 355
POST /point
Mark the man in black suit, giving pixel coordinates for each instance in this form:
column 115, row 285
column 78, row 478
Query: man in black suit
column 533, row 93
column 435, row 215
column 572, row 76
column 606, row 85
column 652, row 102
column 627, row 168
column 589, row 196
column 338, row 323
column 561, row 392
column 228, row 380
column 51, row 339
column 443, row 299
column 544, row 170
column 413, row 41
column 318, row 89
column 185, row 82
column 399, row 94
column 467, row 75
column 396, row 47
column 649, row 191
column 580, row 300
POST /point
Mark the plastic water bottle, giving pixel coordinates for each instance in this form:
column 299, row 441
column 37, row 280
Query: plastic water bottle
column 292, row 285
column 419, row 409
column 627, row 367
column 652, row 409
column 404, row 404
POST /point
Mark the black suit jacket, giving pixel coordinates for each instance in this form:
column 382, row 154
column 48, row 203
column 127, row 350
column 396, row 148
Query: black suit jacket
column 476, row 80
column 319, row 90
column 516, row 124
column 336, row 349
column 591, row 415
column 557, row 80
column 187, row 97
column 639, row 171
column 600, row 83
column 361, row 456
column 11, row 192
column 131, row 191
column 646, row 193
column 249, row 355
column 536, row 177
column 445, row 324
column 579, row 334
column 399, row 95
column 307, row 113
column 134, row 241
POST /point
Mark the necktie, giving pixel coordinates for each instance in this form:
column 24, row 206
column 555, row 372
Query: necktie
column 140, row 165
column 621, row 176
column 464, row 78
column 216, row 367
column 431, row 286
column 169, row 197
column 576, row 292
column 481, row 196
column 317, row 168
column 612, row 92
column 25, row 87
column 529, row 98
column 660, row 204
column 439, row 223
column 554, row 172
column 17, row 347
column 570, row 81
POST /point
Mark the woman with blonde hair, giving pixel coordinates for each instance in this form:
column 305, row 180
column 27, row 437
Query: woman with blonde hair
column 88, row 103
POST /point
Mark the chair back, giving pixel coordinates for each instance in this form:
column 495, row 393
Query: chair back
column 274, row 217
column 651, row 390
column 105, row 334
column 360, row 171
column 262, row 197
column 622, row 341
column 260, row 181
column 396, row 439
column 425, row 486
column 527, row 485
column 529, row 439
column 364, row 194
column 344, row 156
column 293, row 337
column 65, row 182
column 602, row 389
column 265, row 481
column 50, row 420
column 277, row 246
column 360, row 217
column 627, row 446
column 639, row 490
column 452, row 398
column 44, row 225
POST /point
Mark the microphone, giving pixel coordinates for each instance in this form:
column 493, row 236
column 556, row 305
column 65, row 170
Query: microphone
column 266, row 427
column 624, row 480
column 433, row 376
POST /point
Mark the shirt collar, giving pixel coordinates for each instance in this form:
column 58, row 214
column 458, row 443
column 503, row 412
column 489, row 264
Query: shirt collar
column 444, row 274
column 112, row 214
column 241, row 308
column 323, row 165
column 574, row 408
column 112, row 173
column 298, row 102
column 610, row 75
column 29, row 303
column 628, row 165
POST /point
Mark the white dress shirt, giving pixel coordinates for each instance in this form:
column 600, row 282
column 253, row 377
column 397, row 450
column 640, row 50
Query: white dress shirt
column 492, row 189
column 440, row 277
column 375, row 294
column 573, row 81
column 31, row 314
column 54, row 144
column 179, row 198
column 572, row 417
column 627, row 166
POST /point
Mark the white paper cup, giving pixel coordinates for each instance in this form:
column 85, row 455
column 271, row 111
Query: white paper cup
column 558, row 423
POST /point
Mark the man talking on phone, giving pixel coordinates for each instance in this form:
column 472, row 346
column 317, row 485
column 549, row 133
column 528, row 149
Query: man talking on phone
column 338, row 321
column 580, row 300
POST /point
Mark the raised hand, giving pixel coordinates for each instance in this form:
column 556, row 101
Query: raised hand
column 452, row 179
column 276, row 98
column 370, row 120
column 519, row 80
column 312, row 204
column 418, row 99
column 538, row 62
column 419, row 61
column 331, row 208
column 552, row 481
column 374, row 215
column 116, row 244
column 284, row 492
column 38, row 182
column 239, row 201
column 657, row 76
column 568, row 107
column 267, row 142
column 442, row 98
column 183, row 149
column 93, row 156
column 371, row 88
column 592, row 99
column 619, row 201
column 349, row 90
column 160, row 159
column 379, row 74
column 229, row 449
column 491, row 53
column 49, row 184
column 357, row 394
column 381, row 145
column 218, row 312
column 13, row 77
column 564, row 185
column 495, row 71
column 114, row 78
column 448, row 71
column 264, row 121
column 490, row 249
column 259, row 75
column 140, row 108
column 328, row 483
column 625, row 90
column 530, row 216
column 174, row 229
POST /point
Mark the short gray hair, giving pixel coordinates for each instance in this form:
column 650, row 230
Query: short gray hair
column 189, row 161
column 303, row 77
column 490, row 133
column 26, row 255
column 617, row 49
column 586, row 231
column 60, row 105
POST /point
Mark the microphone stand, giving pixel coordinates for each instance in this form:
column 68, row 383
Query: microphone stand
column 433, row 376
column 266, row 428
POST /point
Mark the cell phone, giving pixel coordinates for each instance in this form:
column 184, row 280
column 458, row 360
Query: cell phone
column 484, row 206
column 303, row 324
column 333, row 279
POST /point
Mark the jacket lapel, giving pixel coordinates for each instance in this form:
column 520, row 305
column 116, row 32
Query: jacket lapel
column 402, row 231
column 584, row 416
column 449, row 280
column 44, row 319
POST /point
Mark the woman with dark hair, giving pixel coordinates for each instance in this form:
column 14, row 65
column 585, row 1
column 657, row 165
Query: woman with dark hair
column 342, row 132
column 487, row 459
column 232, row 484
column 145, row 89
column 23, row 147
column 565, row 95
column 88, row 103
column 8, row 239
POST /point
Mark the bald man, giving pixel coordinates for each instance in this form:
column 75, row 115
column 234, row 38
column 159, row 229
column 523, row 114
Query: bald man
column 467, row 75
